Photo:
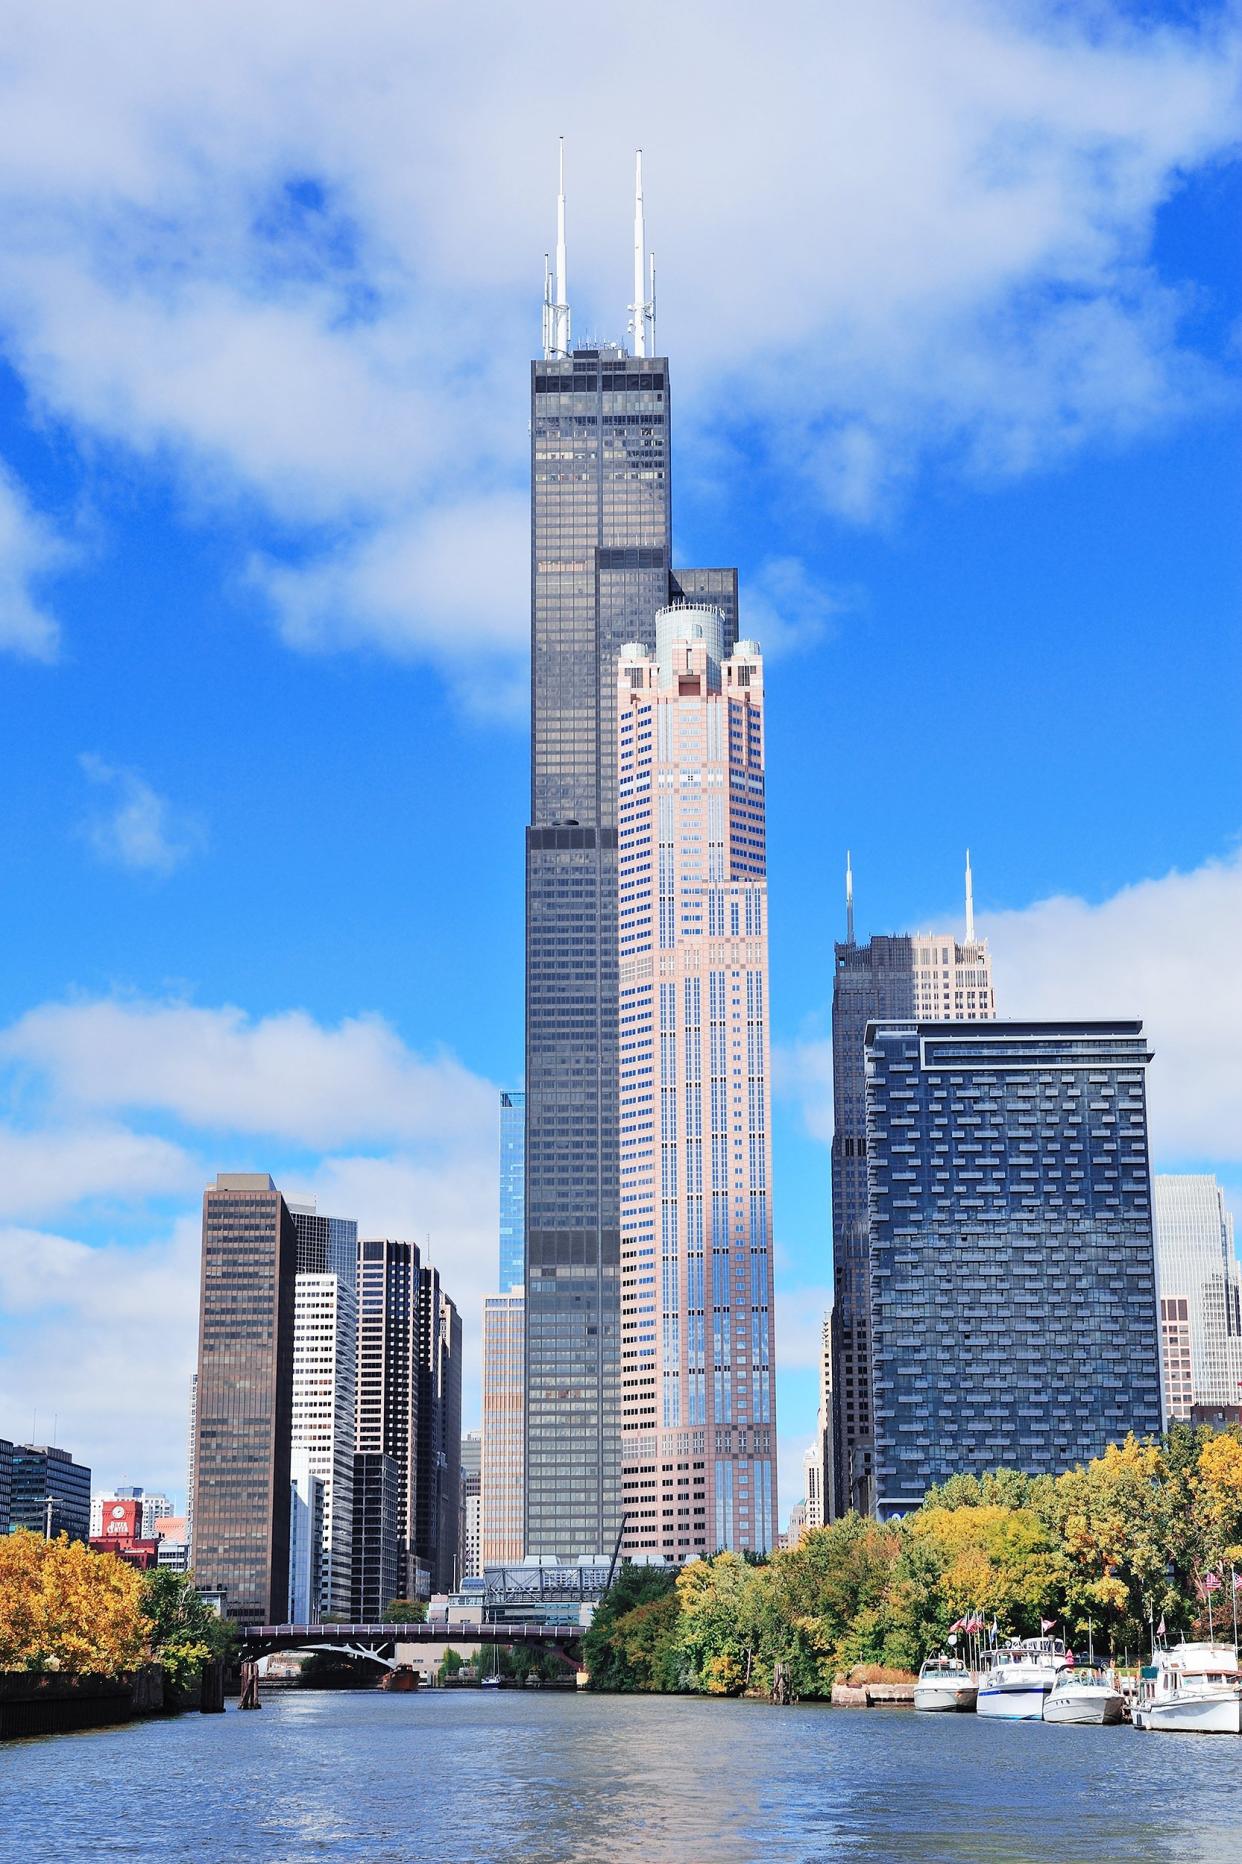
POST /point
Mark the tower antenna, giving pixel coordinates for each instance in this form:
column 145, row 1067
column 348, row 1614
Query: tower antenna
column 970, row 903
column 556, row 307
column 642, row 311
column 849, row 900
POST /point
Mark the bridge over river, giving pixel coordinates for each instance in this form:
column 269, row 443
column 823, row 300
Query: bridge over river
column 378, row 1643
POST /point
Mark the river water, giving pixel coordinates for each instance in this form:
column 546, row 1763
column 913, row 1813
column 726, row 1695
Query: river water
column 460, row 1777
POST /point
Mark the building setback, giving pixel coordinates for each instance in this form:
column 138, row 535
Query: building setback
column 1012, row 1262
column 600, row 569
column 244, row 1398
column 888, row 978
column 501, row 1509
column 1200, row 1283
column 698, row 1405
column 50, row 1493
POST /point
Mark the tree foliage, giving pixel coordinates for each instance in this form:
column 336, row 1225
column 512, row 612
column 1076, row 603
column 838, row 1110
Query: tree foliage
column 184, row 1633
column 63, row 1607
column 1108, row 1548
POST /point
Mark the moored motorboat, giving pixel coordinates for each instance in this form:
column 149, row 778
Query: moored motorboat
column 1015, row 1679
column 945, row 1684
column 1191, row 1689
column 1083, row 1693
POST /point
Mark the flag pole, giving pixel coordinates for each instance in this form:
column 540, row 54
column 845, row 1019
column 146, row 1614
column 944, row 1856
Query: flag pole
column 1233, row 1594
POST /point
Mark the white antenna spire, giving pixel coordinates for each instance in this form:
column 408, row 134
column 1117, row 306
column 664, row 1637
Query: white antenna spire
column 970, row 903
column 849, row 900
column 556, row 307
column 642, row 311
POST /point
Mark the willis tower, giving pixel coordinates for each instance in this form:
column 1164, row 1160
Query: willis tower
column 600, row 569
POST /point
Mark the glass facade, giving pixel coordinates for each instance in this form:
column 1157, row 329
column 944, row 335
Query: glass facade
column 48, row 1490
column 376, row 1538
column 1012, row 1259
column 439, row 1432
column 502, row 1514
column 326, row 1245
column 600, row 569
column 512, row 1190
column 1200, row 1293
column 245, row 1397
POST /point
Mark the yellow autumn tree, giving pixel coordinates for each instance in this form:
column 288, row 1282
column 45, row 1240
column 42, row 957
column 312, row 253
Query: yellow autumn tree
column 1000, row 1561
column 1217, row 1508
column 63, row 1607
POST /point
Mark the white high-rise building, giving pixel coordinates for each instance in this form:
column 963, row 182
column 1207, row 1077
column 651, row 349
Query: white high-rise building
column 469, row 1564
column 325, row 1371
column 1200, row 1286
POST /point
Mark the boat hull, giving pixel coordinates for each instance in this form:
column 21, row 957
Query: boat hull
column 1096, row 1708
column 1021, row 1704
column 1212, row 1715
column 930, row 1700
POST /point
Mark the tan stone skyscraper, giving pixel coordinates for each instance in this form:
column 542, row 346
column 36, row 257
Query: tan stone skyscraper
column 698, row 1391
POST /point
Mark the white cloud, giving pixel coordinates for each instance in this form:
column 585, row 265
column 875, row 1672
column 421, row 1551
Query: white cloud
column 102, row 1340
column 139, row 830
column 46, row 1170
column 446, row 582
column 786, row 608
column 296, row 255
column 1163, row 950
column 103, row 1333
column 283, row 1076
column 28, row 551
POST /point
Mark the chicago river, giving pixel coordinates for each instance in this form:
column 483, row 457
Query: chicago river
column 547, row 1778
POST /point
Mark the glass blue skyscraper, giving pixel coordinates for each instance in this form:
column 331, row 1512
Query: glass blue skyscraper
column 1012, row 1256
column 512, row 1191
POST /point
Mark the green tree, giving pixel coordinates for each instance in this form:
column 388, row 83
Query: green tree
column 608, row 1653
column 405, row 1612
column 184, row 1633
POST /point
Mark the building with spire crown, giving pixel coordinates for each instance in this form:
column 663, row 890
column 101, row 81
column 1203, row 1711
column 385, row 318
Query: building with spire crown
column 925, row 975
column 601, row 569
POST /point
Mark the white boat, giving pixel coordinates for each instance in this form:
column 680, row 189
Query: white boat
column 945, row 1683
column 1085, row 1694
column 1014, row 1680
column 1191, row 1689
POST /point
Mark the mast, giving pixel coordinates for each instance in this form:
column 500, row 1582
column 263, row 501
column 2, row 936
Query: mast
column 970, row 903
column 849, row 900
column 642, row 310
column 555, row 284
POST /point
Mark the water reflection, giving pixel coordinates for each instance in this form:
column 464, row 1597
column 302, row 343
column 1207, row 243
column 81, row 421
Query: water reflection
column 459, row 1777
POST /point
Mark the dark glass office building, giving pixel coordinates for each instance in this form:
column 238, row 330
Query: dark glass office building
column 870, row 981
column 6, row 1485
column 1012, row 1255
column 49, row 1492
column 439, row 1432
column 389, row 1383
column 600, row 569
column 325, row 1245
column 244, row 1405
column 376, row 1573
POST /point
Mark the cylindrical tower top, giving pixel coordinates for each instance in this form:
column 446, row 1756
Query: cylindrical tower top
column 692, row 622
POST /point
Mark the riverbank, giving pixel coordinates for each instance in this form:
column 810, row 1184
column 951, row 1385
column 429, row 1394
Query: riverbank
column 47, row 1704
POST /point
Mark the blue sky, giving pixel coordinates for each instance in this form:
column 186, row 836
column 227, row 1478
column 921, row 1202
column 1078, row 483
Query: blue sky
column 951, row 296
